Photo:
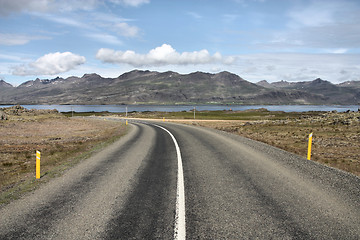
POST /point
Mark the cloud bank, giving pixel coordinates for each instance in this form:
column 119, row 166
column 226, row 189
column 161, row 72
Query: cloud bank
column 9, row 39
column 131, row 3
column 325, row 25
column 160, row 56
column 8, row 7
column 298, row 67
column 50, row 64
column 126, row 30
column 13, row 6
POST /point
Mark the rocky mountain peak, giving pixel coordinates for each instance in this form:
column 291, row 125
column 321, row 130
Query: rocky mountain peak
column 319, row 81
column 90, row 75
column 264, row 83
column 4, row 84
column 134, row 73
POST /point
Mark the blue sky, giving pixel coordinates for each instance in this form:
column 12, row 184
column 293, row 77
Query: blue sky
column 292, row 40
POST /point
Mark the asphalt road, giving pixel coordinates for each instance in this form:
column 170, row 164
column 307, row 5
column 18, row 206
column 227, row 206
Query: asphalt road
column 234, row 188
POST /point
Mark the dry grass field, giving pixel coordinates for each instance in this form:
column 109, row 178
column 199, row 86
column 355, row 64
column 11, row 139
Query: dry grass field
column 336, row 136
column 62, row 142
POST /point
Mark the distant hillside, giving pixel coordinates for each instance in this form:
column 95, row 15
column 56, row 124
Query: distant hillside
column 173, row 88
column 343, row 93
column 355, row 84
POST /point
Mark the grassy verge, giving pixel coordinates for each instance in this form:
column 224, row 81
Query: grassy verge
column 63, row 142
column 336, row 136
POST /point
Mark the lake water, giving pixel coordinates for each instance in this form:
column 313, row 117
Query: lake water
column 179, row 108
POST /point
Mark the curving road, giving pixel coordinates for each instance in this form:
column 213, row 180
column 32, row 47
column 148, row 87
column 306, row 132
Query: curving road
column 234, row 188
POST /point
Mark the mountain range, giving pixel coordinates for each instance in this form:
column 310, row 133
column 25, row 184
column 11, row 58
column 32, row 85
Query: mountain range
column 173, row 88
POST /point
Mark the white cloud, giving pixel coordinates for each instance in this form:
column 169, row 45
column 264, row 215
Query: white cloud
column 10, row 39
column 10, row 57
column 126, row 30
column 245, row 3
column 297, row 67
column 68, row 20
column 71, row 5
column 322, row 13
column 115, row 24
column 50, row 64
column 337, row 50
column 42, row 6
column 131, row 3
column 106, row 18
column 160, row 56
column 313, row 15
column 320, row 25
column 195, row 15
column 105, row 38
column 7, row 7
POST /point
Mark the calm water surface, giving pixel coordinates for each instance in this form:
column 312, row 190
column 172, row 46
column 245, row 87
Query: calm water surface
column 179, row 108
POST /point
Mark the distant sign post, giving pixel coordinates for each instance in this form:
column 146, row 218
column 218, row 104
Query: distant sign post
column 38, row 154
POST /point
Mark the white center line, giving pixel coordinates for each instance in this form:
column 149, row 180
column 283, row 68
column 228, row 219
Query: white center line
column 180, row 230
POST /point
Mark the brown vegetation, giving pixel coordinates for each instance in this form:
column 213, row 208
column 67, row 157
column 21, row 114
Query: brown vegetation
column 61, row 140
column 336, row 136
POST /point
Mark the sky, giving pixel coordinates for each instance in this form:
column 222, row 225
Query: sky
column 273, row 40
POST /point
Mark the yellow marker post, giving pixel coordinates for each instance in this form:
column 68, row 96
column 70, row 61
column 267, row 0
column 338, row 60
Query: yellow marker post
column 38, row 154
column 163, row 119
column 309, row 146
column 126, row 122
